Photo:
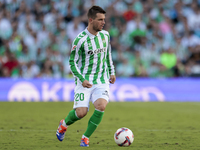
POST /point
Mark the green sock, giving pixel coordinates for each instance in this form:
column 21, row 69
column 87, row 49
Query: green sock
column 93, row 123
column 71, row 118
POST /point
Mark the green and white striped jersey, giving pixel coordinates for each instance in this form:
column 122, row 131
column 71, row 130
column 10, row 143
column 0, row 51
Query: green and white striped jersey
column 90, row 57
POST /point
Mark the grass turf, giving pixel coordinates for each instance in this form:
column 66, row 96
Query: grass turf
column 155, row 125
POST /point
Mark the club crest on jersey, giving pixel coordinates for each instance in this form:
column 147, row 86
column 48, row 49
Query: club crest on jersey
column 103, row 40
column 100, row 50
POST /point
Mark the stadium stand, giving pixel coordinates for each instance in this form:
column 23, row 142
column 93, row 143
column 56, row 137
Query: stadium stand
column 149, row 38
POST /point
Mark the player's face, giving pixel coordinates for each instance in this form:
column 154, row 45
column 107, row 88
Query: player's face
column 99, row 22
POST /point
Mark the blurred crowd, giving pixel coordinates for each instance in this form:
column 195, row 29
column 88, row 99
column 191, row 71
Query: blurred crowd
column 149, row 38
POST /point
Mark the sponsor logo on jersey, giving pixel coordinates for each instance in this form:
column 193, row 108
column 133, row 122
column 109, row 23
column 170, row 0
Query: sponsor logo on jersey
column 101, row 50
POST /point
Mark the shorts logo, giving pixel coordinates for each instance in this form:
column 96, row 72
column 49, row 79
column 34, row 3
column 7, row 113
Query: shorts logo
column 105, row 93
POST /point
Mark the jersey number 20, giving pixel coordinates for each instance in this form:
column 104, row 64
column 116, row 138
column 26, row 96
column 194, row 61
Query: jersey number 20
column 79, row 96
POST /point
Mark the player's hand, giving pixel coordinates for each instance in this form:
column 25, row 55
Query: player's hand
column 86, row 84
column 112, row 79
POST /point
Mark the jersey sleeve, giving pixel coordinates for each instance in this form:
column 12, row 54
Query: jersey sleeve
column 74, row 56
column 109, row 61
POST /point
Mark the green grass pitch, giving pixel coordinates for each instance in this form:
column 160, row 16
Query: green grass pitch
column 155, row 125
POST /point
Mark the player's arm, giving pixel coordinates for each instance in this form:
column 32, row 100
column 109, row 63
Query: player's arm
column 74, row 56
column 110, row 65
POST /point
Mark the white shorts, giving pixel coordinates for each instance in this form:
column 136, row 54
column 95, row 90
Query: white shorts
column 82, row 96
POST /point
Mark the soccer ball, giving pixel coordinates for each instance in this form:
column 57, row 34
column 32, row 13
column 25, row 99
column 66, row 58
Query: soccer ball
column 123, row 137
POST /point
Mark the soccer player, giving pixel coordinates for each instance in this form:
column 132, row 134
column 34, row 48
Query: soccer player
column 93, row 69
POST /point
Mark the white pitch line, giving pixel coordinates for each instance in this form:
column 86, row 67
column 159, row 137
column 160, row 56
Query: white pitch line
column 148, row 130
column 24, row 130
column 28, row 130
column 167, row 130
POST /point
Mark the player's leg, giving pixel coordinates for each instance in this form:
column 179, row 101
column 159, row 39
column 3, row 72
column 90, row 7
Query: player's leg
column 73, row 116
column 94, row 121
column 80, row 108
column 101, row 96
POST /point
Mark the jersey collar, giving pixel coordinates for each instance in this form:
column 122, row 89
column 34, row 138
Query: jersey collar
column 89, row 34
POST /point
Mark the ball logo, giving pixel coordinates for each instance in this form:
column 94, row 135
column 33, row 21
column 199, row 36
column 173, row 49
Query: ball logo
column 23, row 91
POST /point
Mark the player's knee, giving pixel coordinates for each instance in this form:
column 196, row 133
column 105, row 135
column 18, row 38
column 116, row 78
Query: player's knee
column 81, row 115
column 101, row 107
column 81, row 112
column 100, row 104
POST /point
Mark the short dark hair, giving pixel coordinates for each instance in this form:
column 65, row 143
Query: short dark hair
column 94, row 10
